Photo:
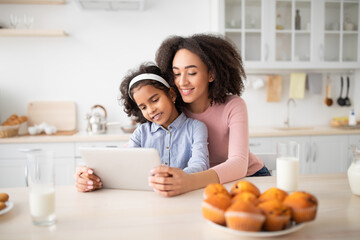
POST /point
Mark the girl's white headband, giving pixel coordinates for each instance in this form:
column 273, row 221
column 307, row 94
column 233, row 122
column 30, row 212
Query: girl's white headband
column 146, row 76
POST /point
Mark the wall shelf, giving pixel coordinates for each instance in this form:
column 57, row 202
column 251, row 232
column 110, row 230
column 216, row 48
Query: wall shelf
column 32, row 2
column 31, row 33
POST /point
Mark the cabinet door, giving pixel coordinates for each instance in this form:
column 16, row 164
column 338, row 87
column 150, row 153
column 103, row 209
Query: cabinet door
column 64, row 171
column 329, row 154
column 268, row 146
column 326, row 35
column 341, row 38
column 12, row 173
column 293, row 31
column 13, row 162
column 242, row 24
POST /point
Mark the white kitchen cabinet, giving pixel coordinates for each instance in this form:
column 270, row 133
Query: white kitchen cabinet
column 326, row 154
column 318, row 154
column 13, row 163
column 267, row 145
column 12, row 172
column 264, row 32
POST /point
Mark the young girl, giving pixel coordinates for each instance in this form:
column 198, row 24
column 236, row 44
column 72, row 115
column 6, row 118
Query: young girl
column 180, row 141
column 208, row 74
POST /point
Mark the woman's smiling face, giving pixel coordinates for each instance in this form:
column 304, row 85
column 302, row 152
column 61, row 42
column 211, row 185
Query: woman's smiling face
column 192, row 80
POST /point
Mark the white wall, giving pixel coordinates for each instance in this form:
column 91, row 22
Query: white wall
column 88, row 65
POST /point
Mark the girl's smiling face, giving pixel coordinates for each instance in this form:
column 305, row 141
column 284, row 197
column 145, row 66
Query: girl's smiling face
column 192, row 79
column 155, row 105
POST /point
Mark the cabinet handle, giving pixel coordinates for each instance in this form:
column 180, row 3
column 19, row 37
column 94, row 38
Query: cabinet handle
column 26, row 176
column 254, row 144
column 266, row 52
column 315, row 151
column 321, row 52
column 308, row 152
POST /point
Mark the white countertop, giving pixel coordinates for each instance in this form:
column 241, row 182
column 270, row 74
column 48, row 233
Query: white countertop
column 126, row 214
column 118, row 135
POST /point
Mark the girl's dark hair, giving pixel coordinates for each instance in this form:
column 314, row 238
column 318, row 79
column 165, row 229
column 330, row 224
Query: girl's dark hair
column 219, row 55
column 130, row 107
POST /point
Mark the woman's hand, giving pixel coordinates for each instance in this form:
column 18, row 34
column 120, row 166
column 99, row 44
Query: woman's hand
column 168, row 181
column 86, row 180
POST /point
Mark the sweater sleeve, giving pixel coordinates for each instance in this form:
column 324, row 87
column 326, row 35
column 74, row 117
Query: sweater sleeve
column 236, row 166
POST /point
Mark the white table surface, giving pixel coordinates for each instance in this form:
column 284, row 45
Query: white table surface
column 124, row 214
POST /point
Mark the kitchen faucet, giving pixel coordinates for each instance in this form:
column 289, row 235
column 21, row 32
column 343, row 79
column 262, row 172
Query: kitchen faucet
column 287, row 121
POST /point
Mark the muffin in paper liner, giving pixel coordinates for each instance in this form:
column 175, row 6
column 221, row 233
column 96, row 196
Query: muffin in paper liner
column 213, row 208
column 303, row 205
column 301, row 215
column 244, row 221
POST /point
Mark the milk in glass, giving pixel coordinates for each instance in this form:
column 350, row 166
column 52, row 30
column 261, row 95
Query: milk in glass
column 41, row 182
column 287, row 166
column 287, row 173
column 42, row 204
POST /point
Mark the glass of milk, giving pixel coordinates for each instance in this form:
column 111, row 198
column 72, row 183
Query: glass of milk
column 287, row 166
column 41, row 182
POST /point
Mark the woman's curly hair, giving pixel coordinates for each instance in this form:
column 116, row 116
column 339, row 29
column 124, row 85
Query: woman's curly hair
column 130, row 106
column 219, row 55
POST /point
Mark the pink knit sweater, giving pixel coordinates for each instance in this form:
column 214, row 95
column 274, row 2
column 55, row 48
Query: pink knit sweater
column 228, row 131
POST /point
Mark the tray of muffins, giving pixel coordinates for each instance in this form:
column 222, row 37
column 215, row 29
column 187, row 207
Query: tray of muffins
column 245, row 211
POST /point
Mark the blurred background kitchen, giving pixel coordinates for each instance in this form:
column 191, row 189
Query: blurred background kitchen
column 86, row 52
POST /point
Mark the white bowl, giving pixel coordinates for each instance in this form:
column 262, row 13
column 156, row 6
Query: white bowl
column 32, row 130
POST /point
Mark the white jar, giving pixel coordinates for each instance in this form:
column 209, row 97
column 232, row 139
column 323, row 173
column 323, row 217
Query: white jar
column 354, row 170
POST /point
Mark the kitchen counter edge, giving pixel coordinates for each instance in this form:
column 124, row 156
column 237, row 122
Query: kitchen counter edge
column 254, row 132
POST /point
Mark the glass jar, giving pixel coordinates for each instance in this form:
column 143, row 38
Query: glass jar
column 354, row 170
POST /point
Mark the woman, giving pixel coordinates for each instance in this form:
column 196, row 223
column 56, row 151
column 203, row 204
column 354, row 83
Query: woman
column 208, row 73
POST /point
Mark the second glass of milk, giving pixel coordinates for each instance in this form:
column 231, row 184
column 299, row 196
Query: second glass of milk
column 287, row 166
column 41, row 182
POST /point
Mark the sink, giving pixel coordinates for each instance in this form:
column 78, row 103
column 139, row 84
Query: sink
column 293, row 128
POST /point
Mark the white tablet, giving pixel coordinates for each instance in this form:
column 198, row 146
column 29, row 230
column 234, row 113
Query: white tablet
column 122, row 168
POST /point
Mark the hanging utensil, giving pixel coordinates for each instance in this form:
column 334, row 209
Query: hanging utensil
column 340, row 100
column 347, row 99
column 328, row 100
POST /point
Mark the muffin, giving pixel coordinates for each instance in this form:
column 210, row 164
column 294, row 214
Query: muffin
column 244, row 216
column 4, row 197
column 244, row 186
column 273, row 193
column 213, row 208
column 214, row 189
column 2, row 205
column 278, row 215
column 303, row 206
column 246, row 197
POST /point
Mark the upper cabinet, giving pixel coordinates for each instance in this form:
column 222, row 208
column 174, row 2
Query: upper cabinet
column 293, row 34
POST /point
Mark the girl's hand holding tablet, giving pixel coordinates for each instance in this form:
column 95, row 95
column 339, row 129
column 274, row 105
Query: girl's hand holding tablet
column 86, row 180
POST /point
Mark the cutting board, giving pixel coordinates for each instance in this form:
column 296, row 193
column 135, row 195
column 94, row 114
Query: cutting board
column 61, row 114
column 273, row 86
